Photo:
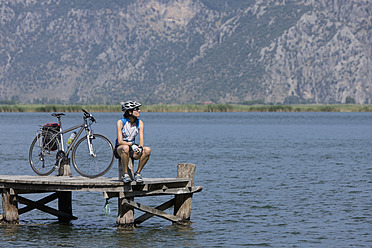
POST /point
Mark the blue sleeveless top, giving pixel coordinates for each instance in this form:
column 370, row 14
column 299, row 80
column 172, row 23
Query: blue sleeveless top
column 129, row 133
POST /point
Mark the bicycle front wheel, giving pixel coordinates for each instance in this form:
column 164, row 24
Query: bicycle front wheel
column 42, row 154
column 96, row 164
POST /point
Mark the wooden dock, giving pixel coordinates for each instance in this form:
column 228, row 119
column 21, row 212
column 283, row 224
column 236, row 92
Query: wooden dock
column 61, row 188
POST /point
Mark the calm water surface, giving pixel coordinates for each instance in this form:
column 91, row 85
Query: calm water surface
column 269, row 180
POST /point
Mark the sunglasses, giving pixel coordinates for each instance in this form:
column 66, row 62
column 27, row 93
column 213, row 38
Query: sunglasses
column 136, row 109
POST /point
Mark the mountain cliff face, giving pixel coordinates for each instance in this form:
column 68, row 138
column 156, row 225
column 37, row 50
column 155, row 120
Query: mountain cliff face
column 184, row 51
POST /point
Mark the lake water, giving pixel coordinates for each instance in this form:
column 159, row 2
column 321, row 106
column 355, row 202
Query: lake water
column 269, row 180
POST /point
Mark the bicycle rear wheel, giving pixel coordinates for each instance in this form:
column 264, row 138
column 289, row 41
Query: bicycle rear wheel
column 42, row 154
column 94, row 165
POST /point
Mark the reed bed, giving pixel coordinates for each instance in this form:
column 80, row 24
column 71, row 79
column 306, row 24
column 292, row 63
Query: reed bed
column 191, row 108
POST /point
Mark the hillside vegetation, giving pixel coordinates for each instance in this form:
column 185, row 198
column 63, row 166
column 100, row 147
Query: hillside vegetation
column 185, row 51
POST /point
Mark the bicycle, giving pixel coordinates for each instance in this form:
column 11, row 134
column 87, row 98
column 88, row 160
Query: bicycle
column 47, row 150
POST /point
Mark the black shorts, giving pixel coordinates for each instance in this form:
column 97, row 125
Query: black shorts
column 116, row 154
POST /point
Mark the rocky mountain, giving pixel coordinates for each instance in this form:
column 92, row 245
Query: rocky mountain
column 186, row 51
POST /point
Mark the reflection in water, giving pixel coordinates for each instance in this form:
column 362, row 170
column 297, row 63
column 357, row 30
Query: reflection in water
column 150, row 236
column 9, row 232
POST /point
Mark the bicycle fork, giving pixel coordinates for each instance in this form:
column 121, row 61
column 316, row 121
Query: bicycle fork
column 90, row 137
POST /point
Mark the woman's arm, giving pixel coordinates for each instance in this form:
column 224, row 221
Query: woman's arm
column 141, row 134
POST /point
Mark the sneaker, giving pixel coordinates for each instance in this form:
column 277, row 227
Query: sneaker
column 138, row 177
column 127, row 178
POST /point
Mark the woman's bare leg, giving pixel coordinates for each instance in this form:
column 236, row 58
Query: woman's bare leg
column 123, row 152
column 144, row 158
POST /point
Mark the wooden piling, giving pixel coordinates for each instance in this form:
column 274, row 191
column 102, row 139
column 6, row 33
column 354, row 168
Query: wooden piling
column 65, row 198
column 65, row 168
column 65, row 205
column 125, row 213
column 182, row 205
column 10, row 207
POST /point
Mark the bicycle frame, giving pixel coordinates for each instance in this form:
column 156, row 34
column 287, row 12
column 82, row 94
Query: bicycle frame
column 82, row 126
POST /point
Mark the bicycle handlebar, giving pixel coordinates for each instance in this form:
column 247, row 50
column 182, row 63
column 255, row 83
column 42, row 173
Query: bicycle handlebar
column 88, row 115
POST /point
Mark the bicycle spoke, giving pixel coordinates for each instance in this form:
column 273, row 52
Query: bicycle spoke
column 96, row 164
column 42, row 155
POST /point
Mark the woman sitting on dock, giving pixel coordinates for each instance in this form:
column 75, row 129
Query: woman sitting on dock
column 127, row 129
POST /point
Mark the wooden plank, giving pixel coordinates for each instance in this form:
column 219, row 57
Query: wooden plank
column 132, row 191
column 81, row 181
column 44, row 208
column 152, row 211
column 29, row 184
column 177, row 191
column 147, row 216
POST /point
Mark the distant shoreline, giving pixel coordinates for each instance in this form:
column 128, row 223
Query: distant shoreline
column 191, row 108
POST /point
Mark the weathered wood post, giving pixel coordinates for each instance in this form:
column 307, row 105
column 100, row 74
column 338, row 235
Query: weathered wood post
column 125, row 213
column 182, row 205
column 65, row 198
column 65, row 204
column 10, row 207
column 65, row 168
column 121, row 169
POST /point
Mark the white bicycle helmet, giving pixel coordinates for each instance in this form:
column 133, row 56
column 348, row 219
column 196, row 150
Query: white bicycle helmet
column 130, row 105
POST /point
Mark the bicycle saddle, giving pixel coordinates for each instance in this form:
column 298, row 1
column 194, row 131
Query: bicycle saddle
column 58, row 114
